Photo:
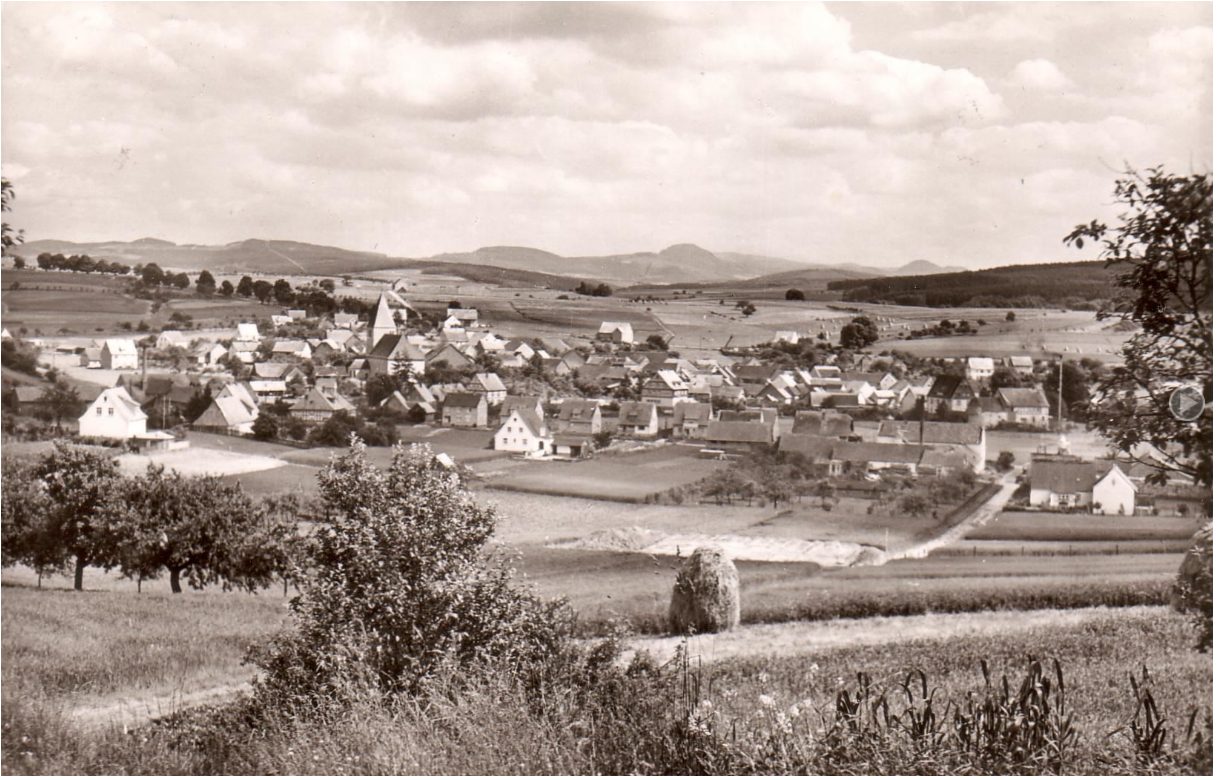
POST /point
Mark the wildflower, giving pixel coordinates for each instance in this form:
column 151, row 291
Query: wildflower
column 763, row 677
column 794, row 711
column 767, row 701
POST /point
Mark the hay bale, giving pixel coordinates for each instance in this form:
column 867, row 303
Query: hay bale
column 706, row 595
column 1192, row 593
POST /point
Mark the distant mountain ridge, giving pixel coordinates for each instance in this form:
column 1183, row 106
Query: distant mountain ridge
column 677, row 264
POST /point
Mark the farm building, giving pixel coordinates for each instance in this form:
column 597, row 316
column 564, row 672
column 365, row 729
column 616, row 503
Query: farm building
column 248, row 331
column 268, row 391
column 556, row 367
column 768, row 416
column 989, row 410
column 1022, row 365
column 616, row 333
column 954, row 393
column 345, row 320
column 572, row 445
column 1056, row 483
column 879, row 456
column 168, row 339
column 113, row 415
column 465, row 318
column 970, row 436
column 1025, row 405
column 879, row 380
column 832, row 424
column 523, row 432
column 579, row 416
column 233, row 410
column 120, row 354
column 819, row 450
column 244, row 351
column 739, row 436
column 91, row 357
column 394, row 353
column 297, row 314
column 292, row 348
column 464, row 410
column 208, row 354
column 320, row 406
column 448, row 355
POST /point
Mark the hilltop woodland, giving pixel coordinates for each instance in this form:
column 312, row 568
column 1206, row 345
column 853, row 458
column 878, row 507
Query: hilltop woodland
column 1084, row 285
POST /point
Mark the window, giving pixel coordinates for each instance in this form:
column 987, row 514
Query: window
column 110, row 411
column 99, row 411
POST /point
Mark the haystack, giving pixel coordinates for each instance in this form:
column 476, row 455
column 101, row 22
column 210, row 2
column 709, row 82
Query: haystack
column 706, row 596
column 1193, row 592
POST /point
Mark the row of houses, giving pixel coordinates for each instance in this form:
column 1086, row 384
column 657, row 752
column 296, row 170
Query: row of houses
column 1060, row 482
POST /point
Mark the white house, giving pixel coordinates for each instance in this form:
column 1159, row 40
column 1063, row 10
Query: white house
column 523, row 432
column 1114, row 493
column 172, row 338
column 617, row 332
column 292, row 348
column 247, row 331
column 1026, row 405
column 244, row 351
column 120, row 354
column 979, row 369
column 114, row 415
column 491, row 386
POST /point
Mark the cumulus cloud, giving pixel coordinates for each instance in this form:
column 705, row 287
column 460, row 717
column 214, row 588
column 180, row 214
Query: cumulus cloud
column 591, row 128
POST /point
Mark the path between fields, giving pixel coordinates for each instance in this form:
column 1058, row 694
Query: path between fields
column 808, row 637
column 984, row 514
column 133, row 711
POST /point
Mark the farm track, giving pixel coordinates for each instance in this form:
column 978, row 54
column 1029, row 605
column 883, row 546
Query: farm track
column 134, row 711
column 808, row 637
column 990, row 510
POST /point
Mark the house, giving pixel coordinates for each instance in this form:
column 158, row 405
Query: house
column 879, row 456
column 297, row 314
column 114, row 414
column 278, row 320
column 971, row 437
column 616, row 333
column 1022, row 365
column 30, row 399
column 860, row 391
column 244, row 351
column 464, row 410
column 345, row 320
column 393, row 353
column 556, row 367
column 466, row 318
column 1064, row 483
column 296, row 348
column 492, row 387
column 529, row 402
column 1025, row 405
column 952, row 393
column 230, row 412
column 120, row 354
column 739, row 435
column 248, row 331
column 880, row 380
column 579, row 416
column 826, row 424
column 943, row 462
column 989, row 410
column 819, row 450
column 979, row 369
column 319, row 406
column 339, row 336
column 638, row 419
column 168, row 339
column 786, row 337
column 691, row 420
column 419, row 396
column 665, row 388
column 1114, row 493
column 208, row 355
column 447, row 355
column 268, row 391
column 754, row 374
column 523, row 432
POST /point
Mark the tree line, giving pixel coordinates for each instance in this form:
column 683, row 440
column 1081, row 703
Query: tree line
column 72, row 508
column 80, row 263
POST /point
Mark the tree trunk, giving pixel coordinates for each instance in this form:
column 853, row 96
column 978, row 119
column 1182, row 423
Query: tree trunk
column 78, row 579
column 175, row 585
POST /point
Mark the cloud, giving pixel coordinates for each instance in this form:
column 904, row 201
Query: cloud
column 1040, row 75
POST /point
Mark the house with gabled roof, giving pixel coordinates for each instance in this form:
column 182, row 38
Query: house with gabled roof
column 448, row 355
column 824, row 423
column 525, row 433
column 954, row 393
column 980, row 369
column 691, row 420
column 490, row 385
column 638, row 419
column 616, row 333
column 1027, row 405
column 464, row 410
column 320, row 406
column 739, row 435
column 292, row 348
column 120, row 354
column 970, row 436
column 1022, row 365
column 394, row 353
column 465, row 317
column 753, row 414
column 248, row 331
column 577, row 415
column 233, row 410
column 665, row 388
column 114, row 414
column 532, row 403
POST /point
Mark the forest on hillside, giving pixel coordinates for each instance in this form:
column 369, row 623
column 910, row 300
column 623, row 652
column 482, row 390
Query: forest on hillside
column 1080, row 285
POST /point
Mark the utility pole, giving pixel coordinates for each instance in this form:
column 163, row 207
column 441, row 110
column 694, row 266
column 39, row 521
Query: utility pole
column 1061, row 393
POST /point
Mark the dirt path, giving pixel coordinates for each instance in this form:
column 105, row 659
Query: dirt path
column 133, row 711
column 984, row 514
column 806, row 638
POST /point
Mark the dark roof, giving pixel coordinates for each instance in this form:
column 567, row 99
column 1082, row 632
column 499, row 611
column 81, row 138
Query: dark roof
column 692, row 411
column 945, row 386
column 933, row 432
column 577, row 410
column 816, row 448
column 754, row 374
column 1063, row 477
column 739, row 432
column 1023, row 396
column 823, row 424
column 573, row 439
column 395, row 345
column 878, row 451
column 636, row 412
column 757, row 414
column 518, row 402
column 465, row 400
column 29, row 395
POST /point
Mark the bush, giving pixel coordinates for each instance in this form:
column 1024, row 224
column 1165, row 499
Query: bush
column 400, row 587
column 1192, row 593
column 1005, row 460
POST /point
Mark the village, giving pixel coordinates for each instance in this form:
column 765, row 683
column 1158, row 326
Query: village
column 852, row 418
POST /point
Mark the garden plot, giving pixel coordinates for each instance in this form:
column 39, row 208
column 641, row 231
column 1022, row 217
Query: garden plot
column 744, row 548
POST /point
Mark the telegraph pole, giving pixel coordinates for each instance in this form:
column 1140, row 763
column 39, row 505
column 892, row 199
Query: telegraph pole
column 1061, row 393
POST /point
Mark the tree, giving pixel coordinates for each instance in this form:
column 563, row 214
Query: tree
column 245, row 287
column 858, row 334
column 1004, row 461
column 18, row 263
column 265, row 427
column 283, row 292
column 794, row 295
column 197, row 527
column 1163, row 248
column 226, row 288
column 656, row 341
column 62, row 401
column 401, row 581
column 182, row 281
column 262, row 290
column 748, row 309
column 152, row 275
column 206, row 283
column 80, row 484
column 8, row 237
column 25, row 535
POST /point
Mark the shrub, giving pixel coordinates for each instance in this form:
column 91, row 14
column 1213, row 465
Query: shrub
column 706, row 596
column 400, row 587
column 1192, row 593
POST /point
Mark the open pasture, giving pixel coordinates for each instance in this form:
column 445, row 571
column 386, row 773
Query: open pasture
column 625, row 477
column 1059, row 527
column 85, row 310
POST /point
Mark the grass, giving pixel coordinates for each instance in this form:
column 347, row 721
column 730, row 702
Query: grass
column 82, row 310
column 630, row 477
column 59, row 644
column 1057, row 527
column 751, row 716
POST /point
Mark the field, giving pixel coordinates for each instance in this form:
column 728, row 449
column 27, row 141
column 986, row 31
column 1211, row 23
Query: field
column 78, row 311
column 1056, row 527
column 619, row 477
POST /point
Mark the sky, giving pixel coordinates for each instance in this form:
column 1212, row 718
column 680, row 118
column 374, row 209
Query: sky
column 962, row 133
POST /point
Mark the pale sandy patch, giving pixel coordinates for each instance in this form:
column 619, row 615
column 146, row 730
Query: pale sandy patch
column 197, row 461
